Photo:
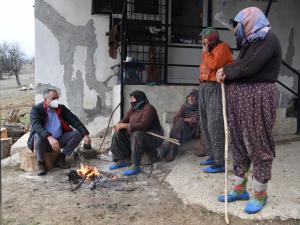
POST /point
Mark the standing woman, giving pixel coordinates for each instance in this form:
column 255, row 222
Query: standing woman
column 215, row 55
column 252, row 102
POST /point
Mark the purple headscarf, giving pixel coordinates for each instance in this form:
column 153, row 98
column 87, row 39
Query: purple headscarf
column 253, row 25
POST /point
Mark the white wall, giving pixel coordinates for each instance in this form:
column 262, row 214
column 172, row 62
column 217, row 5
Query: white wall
column 72, row 56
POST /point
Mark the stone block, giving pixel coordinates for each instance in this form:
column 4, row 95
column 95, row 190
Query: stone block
column 29, row 162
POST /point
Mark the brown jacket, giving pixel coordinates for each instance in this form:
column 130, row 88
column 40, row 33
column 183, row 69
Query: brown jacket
column 145, row 120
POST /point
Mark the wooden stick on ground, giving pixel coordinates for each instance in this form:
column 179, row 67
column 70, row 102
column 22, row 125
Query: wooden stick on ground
column 173, row 140
column 226, row 150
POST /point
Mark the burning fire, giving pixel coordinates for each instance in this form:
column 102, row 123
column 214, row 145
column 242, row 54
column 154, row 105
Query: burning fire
column 88, row 172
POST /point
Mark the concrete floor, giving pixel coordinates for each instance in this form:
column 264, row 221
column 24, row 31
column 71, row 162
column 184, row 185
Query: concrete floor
column 197, row 188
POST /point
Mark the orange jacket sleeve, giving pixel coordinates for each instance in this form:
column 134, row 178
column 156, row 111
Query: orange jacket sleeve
column 218, row 57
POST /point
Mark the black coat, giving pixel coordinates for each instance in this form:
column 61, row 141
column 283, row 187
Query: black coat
column 38, row 119
column 259, row 61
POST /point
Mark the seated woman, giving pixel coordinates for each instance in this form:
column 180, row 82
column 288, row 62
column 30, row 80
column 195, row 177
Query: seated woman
column 185, row 123
column 130, row 140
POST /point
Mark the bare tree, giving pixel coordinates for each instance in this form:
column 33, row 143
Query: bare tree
column 11, row 59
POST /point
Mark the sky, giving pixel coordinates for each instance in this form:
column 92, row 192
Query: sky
column 17, row 23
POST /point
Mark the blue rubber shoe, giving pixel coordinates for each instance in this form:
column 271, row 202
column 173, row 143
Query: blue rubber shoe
column 132, row 171
column 118, row 165
column 208, row 162
column 234, row 196
column 254, row 205
column 214, row 169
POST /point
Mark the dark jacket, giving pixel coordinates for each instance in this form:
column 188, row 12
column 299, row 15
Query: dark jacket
column 259, row 61
column 145, row 119
column 39, row 116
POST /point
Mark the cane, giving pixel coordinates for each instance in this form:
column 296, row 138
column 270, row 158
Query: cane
column 226, row 149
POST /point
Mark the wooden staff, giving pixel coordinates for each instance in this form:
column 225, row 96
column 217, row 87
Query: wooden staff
column 173, row 140
column 226, row 150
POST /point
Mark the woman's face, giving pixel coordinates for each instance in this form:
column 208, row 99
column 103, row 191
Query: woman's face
column 132, row 99
column 192, row 100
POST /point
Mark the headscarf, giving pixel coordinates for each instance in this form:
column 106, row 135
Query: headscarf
column 191, row 110
column 211, row 34
column 141, row 99
column 253, row 25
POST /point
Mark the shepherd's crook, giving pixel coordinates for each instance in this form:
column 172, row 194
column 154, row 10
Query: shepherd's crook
column 226, row 149
column 173, row 140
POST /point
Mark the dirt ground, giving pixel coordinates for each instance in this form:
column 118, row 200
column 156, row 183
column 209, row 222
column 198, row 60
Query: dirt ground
column 12, row 97
column 144, row 199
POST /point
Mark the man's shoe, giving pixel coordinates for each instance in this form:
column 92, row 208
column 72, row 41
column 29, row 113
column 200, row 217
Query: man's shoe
column 254, row 205
column 208, row 162
column 61, row 161
column 118, row 165
column 214, row 169
column 234, row 196
column 42, row 169
column 132, row 171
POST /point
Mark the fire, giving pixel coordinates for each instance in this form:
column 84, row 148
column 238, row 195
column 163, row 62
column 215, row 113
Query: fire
column 88, row 172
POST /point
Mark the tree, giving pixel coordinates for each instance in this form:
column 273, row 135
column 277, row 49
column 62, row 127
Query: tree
column 11, row 59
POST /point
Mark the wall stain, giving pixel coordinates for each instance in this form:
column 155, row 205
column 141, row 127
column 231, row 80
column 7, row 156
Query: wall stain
column 69, row 37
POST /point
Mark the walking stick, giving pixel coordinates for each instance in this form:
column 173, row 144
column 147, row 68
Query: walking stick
column 226, row 149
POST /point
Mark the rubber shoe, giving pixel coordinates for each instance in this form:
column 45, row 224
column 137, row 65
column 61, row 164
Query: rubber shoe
column 254, row 206
column 234, row 196
column 132, row 171
column 214, row 169
column 118, row 165
column 207, row 162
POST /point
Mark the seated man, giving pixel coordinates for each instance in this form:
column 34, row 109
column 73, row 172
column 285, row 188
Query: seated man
column 51, row 131
column 185, row 123
column 130, row 139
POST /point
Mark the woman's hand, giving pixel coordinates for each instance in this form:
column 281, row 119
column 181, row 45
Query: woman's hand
column 220, row 75
column 120, row 126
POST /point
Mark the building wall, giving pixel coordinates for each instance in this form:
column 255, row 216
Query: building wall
column 165, row 99
column 72, row 56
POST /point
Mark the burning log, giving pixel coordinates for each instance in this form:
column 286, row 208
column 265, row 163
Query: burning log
column 87, row 173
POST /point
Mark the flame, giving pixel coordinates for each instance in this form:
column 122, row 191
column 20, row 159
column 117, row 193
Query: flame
column 88, row 172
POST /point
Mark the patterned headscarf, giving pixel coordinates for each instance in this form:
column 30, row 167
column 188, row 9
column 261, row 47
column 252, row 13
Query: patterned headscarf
column 191, row 110
column 253, row 25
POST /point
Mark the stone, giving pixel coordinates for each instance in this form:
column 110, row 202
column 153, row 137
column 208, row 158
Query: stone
column 11, row 161
column 5, row 147
column 20, row 144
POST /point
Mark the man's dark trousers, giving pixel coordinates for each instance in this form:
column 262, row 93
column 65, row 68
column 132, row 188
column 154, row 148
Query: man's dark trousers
column 68, row 142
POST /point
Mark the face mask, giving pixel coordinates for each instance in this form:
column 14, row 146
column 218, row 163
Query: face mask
column 54, row 104
column 133, row 104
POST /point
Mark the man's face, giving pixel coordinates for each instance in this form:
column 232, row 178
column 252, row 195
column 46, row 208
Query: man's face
column 52, row 95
